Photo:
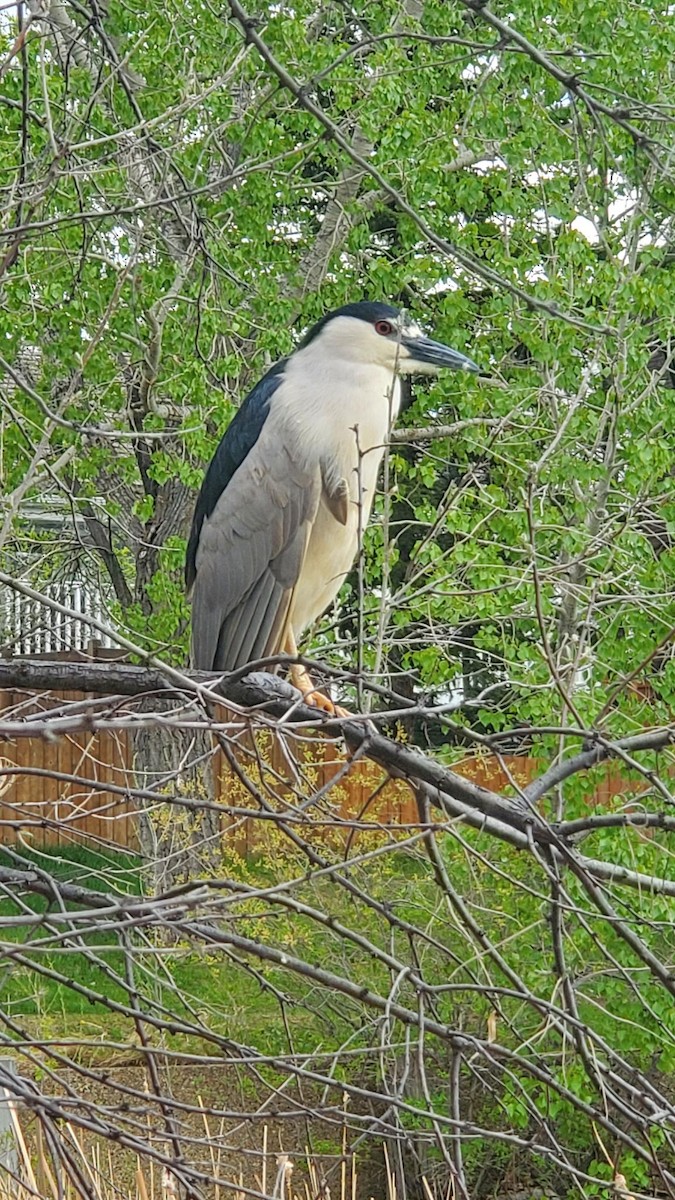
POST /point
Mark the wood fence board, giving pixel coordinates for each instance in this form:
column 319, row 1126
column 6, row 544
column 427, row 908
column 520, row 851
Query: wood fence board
column 305, row 770
column 68, row 811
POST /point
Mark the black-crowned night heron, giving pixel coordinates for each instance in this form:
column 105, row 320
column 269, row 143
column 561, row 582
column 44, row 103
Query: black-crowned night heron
column 290, row 488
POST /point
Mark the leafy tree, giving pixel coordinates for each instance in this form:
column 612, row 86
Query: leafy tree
column 179, row 202
column 184, row 189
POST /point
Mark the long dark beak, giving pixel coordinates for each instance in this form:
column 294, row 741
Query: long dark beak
column 435, row 354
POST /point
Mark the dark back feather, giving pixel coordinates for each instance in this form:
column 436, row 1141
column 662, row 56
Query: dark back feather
column 236, row 443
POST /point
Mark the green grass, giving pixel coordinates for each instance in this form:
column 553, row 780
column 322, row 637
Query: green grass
column 102, row 871
column 202, row 985
column 199, row 983
column 24, row 991
column 207, row 982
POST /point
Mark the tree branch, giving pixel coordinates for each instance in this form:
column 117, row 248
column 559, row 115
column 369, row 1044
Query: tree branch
column 514, row 821
column 474, row 265
column 100, row 536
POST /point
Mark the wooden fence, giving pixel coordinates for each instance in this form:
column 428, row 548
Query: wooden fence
column 66, row 788
column 78, row 787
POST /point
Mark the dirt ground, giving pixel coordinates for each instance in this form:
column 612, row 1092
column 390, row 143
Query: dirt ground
column 264, row 1141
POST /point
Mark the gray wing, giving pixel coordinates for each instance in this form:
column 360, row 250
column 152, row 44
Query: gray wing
column 249, row 557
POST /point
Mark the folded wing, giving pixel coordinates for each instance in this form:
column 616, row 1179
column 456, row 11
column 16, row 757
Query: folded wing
column 249, row 553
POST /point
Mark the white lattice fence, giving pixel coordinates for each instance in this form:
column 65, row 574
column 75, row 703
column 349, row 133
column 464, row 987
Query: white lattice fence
column 29, row 627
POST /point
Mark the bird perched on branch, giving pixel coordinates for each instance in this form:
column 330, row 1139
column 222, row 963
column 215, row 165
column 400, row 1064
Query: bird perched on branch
column 289, row 490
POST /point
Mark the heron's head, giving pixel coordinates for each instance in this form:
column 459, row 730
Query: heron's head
column 375, row 333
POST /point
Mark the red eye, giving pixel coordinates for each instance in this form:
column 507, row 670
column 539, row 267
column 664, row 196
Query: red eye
column 384, row 328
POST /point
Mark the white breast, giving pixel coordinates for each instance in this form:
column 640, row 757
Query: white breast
column 346, row 420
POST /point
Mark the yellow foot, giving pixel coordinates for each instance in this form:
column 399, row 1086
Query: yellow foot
column 301, row 679
column 318, row 700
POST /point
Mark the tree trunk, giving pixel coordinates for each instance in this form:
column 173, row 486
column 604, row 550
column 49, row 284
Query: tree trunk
column 179, row 838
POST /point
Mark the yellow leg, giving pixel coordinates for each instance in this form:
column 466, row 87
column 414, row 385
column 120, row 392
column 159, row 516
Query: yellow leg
column 302, row 680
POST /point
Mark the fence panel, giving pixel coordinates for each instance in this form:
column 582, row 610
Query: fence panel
column 47, row 790
column 38, row 801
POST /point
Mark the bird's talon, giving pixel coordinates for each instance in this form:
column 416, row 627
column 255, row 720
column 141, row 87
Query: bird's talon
column 302, row 680
column 317, row 699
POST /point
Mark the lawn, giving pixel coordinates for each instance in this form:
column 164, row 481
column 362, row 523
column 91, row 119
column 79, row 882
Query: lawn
column 202, row 985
